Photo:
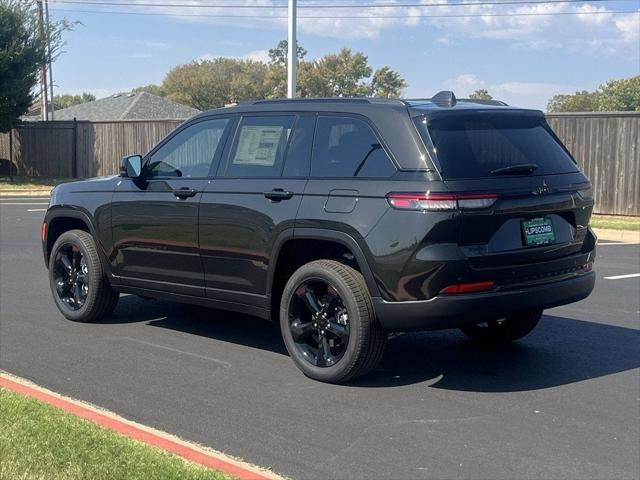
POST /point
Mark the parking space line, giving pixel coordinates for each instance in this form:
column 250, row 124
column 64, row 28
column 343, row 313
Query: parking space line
column 621, row 277
column 36, row 209
column 617, row 243
column 24, row 203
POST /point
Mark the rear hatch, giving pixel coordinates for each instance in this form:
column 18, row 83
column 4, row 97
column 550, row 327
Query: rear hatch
column 538, row 202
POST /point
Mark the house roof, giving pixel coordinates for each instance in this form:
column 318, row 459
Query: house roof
column 127, row 106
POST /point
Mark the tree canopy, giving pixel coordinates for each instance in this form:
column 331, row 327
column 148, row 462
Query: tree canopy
column 205, row 84
column 612, row 96
column 22, row 50
column 481, row 94
column 67, row 100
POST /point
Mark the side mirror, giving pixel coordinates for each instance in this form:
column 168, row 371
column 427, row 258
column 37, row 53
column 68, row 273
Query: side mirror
column 131, row 166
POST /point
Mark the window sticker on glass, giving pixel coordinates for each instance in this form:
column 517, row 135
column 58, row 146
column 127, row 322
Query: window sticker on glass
column 258, row 145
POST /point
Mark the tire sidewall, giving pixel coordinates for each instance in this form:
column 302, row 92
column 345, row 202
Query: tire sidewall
column 338, row 371
column 94, row 274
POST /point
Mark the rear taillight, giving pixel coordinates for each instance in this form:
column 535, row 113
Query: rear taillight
column 468, row 287
column 586, row 192
column 441, row 201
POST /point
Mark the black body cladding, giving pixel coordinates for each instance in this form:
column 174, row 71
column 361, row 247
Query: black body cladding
column 235, row 199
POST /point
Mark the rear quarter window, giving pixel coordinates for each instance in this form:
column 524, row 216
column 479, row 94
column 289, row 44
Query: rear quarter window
column 346, row 147
column 474, row 145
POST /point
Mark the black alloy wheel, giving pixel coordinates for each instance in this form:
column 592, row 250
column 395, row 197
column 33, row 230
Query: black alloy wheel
column 319, row 323
column 79, row 286
column 71, row 277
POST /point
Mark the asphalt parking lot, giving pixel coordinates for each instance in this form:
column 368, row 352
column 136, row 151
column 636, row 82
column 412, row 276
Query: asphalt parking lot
column 562, row 403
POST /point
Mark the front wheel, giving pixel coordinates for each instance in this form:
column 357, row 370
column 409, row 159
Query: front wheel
column 504, row 330
column 80, row 288
column 328, row 323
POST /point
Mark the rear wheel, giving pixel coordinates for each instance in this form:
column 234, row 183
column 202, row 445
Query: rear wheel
column 80, row 288
column 328, row 323
column 504, row 330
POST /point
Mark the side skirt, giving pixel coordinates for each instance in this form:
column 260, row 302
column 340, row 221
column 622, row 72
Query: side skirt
column 202, row 301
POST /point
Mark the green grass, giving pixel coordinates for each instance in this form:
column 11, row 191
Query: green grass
column 613, row 222
column 29, row 183
column 38, row 442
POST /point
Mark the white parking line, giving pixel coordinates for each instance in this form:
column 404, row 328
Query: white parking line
column 36, row 210
column 617, row 243
column 21, row 203
column 620, row 277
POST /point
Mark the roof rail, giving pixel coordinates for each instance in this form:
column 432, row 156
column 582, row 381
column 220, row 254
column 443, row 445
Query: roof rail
column 314, row 100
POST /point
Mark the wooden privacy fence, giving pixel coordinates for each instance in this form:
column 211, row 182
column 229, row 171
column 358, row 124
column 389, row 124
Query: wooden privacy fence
column 605, row 145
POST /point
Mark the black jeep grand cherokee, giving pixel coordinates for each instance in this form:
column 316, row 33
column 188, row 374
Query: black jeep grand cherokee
column 345, row 219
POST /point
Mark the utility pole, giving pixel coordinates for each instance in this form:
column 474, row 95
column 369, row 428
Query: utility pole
column 49, row 55
column 292, row 51
column 43, row 66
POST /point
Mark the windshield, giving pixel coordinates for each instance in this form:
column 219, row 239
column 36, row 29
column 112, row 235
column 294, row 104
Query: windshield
column 473, row 145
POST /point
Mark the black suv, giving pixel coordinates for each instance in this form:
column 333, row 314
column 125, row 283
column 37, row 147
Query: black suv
column 343, row 219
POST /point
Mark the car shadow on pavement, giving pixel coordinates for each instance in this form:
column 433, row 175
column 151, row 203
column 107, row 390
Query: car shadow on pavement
column 559, row 351
column 206, row 322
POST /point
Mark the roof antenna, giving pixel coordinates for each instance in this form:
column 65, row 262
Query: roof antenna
column 445, row 99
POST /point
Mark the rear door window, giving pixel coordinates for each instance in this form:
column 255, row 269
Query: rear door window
column 348, row 147
column 474, row 145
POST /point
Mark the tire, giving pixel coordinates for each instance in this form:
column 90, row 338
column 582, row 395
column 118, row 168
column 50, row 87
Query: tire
column 91, row 297
column 512, row 327
column 354, row 339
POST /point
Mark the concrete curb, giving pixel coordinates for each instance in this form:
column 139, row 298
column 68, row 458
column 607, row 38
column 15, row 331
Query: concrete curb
column 624, row 236
column 157, row 438
column 26, row 193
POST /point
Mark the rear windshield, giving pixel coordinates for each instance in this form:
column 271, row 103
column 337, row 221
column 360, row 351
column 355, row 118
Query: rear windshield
column 474, row 145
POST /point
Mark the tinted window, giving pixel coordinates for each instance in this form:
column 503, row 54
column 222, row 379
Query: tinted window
column 474, row 145
column 347, row 147
column 190, row 152
column 259, row 146
column 299, row 152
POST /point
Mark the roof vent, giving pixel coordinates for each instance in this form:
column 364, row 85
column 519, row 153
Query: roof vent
column 445, row 99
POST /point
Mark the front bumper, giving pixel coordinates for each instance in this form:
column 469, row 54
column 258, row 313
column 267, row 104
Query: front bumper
column 452, row 311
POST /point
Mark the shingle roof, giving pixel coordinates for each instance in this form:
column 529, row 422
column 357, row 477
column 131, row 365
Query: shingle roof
column 127, row 106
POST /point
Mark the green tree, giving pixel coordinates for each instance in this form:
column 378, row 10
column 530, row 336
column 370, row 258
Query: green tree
column 342, row 74
column 151, row 88
column 481, row 94
column 614, row 95
column 66, row 100
column 620, row 95
column 214, row 83
column 578, row 102
column 280, row 54
column 22, row 51
column 387, row 83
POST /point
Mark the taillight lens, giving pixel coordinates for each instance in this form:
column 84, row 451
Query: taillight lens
column 441, row 201
column 586, row 192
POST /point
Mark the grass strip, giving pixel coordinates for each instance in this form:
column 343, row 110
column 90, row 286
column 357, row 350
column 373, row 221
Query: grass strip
column 38, row 441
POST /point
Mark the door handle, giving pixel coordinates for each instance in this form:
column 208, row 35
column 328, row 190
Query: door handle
column 278, row 194
column 185, row 192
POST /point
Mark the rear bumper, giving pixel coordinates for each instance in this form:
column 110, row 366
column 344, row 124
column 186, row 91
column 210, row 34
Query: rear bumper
column 452, row 311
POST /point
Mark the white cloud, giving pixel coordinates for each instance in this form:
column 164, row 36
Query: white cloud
column 255, row 55
column 629, row 27
column 530, row 26
column 522, row 94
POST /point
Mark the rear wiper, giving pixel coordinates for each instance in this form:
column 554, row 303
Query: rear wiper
column 521, row 169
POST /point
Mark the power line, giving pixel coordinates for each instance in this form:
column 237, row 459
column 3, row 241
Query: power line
column 280, row 17
column 323, row 6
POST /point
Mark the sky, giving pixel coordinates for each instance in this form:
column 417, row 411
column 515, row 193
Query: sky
column 523, row 60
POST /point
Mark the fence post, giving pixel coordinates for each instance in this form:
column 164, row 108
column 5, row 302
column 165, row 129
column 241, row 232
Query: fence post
column 74, row 153
column 11, row 155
